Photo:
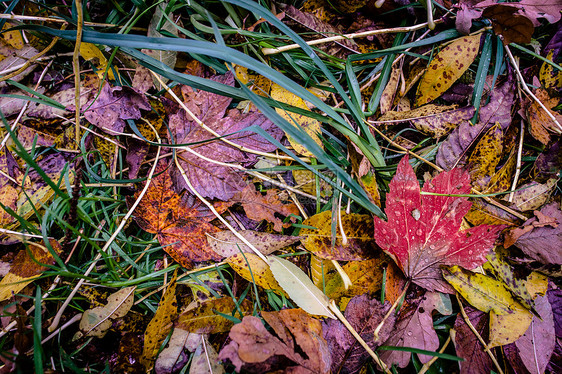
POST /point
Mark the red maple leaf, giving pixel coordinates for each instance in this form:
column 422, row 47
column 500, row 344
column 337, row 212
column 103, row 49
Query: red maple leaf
column 422, row 232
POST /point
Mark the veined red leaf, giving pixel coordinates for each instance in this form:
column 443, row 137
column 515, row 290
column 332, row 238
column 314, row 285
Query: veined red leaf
column 422, row 232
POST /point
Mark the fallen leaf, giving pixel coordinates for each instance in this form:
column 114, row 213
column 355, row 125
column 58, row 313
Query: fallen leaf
column 11, row 56
column 252, row 268
column 543, row 243
column 253, row 345
column 181, row 223
column 484, row 213
column 486, row 156
column 533, row 9
column 161, row 324
column 550, row 77
column 454, row 148
column 259, row 207
column 310, row 125
column 512, row 27
column 414, row 329
column 172, row 356
column 365, row 276
column 205, row 359
column 481, row 291
column 358, row 229
column 299, row 287
column 467, row 345
column 446, row 67
column 113, row 106
column 537, row 344
column 541, row 124
column 389, row 92
column 91, row 52
column 210, row 179
column 226, row 244
column 395, row 283
column 548, row 163
column 97, row 321
column 202, row 318
column 533, row 195
column 422, row 231
column 364, row 313
column 28, row 264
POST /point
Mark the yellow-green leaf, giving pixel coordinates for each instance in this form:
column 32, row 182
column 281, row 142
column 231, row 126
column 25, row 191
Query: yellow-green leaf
column 299, row 287
column 481, row 291
column 92, row 53
column 310, row 125
column 446, row 67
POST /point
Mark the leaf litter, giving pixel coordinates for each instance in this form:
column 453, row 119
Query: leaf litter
column 228, row 306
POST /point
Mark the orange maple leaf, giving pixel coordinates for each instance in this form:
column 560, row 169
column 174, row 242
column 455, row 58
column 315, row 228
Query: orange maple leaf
column 180, row 222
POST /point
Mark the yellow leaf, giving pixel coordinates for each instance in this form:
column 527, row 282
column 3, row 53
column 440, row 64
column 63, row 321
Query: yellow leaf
column 202, row 318
column 536, row 284
column 550, row 77
column 358, row 245
column 26, row 267
column 486, row 155
column 481, row 291
column 161, row 324
column 319, row 269
column 310, row 125
column 252, row 268
column 502, row 179
column 446, row 67
column 366, row 277
column 14, row 37
column 92, row 53
column 507, row 328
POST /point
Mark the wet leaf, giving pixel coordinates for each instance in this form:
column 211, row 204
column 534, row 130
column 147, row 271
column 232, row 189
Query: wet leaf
column 97, row 321
column 533, row 195
column 486, row 156
column 467, row 345
column 484, row 213
column 28, row 264
column 252, row 268
column 210, row 179
column 481, row 291
column 365, row 276
column 265, row 207
column 226, row 244
column 204, row 318
column 422, row 231
column 513, row 27
column 161, row 324
column 299, row 287
column 299, row 340
column 310, row 125
column 358, row 231
column 446, row 67
column 364, row 314
column 181, row 224
column 414, row 328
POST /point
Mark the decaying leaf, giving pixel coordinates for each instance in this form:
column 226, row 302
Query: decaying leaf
column 92, row 53
column 205, row 359
column 28, row 265
column 359, row 242
column 364, row 314
column 311, row 126
column 210, row 179
column 259, row 207
column 422, row 231
column 467, row 345
column 513, row 27
column 365, row 276
column 252, row 268
column 486, row 156
column 226, row 244
column 299, row 342
column 446, row 67
column 203, row 318
column 97, row 321
column 181, row 223
column 161, row 324
column 172, row 356
column 299, row 287
column 533, row 195
column 541, row 125
column 550, row 77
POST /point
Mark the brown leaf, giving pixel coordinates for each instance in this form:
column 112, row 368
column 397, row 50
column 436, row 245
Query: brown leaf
column 514, row 28
column 364, row 313
column 252, row 344
column 358, row 230
column 180, row 223
column 540, row 124
column 259, row 207
column 203, row 318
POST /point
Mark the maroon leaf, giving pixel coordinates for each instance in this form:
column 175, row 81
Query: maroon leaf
column 414, row 329
column 364, row 314
column 422, row 232
column 467, row 345
column 537, row 344
column 210, row 179
column 543, row 243
column 113, row 106
column 454, row 148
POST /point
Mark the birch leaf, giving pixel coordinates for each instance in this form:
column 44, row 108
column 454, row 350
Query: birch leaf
column 299, row 287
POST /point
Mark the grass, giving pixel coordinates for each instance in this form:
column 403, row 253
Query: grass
column 102, row 248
